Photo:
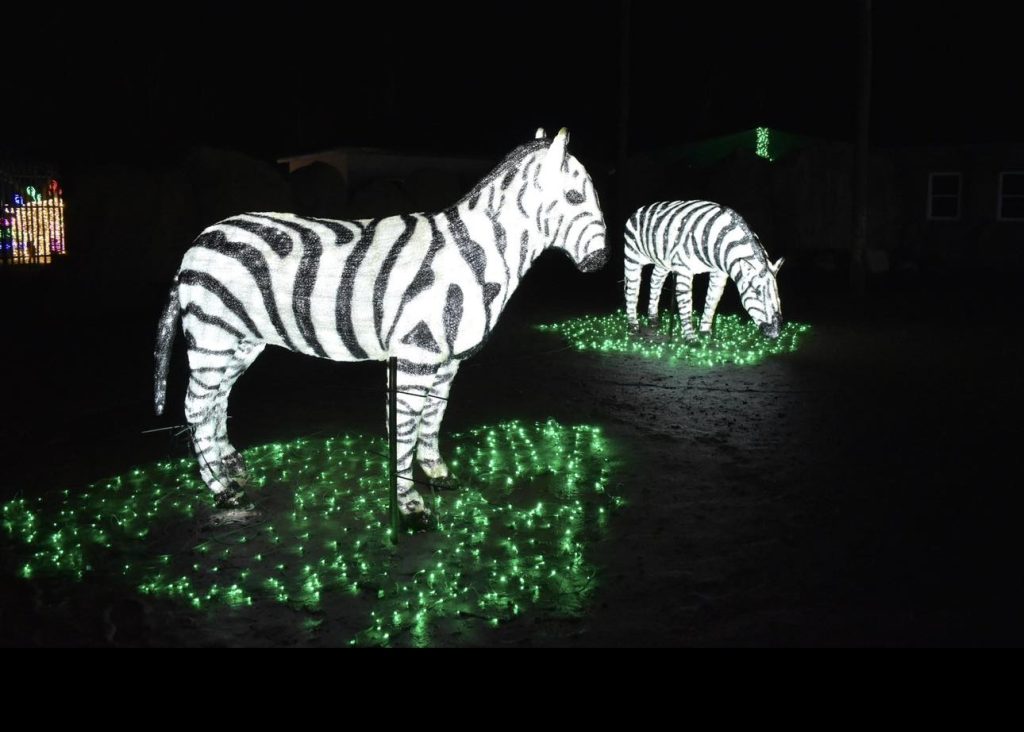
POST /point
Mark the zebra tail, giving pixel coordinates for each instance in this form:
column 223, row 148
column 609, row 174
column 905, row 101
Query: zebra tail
column 164, row 341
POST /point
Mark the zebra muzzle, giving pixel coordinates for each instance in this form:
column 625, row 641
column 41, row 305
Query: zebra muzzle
column 772, row 329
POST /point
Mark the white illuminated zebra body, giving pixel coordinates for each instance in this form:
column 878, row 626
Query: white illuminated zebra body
column 426, row 289
column 693, row 237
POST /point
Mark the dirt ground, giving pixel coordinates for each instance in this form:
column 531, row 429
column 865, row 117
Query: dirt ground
column 858, row 492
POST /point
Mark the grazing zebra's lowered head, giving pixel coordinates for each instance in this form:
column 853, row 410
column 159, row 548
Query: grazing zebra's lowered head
column 424, row 288
column 690, row 238
column 759, row 291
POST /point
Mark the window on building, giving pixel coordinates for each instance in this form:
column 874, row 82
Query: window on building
column 1011, row 196
column 944, row 196
column 31, row 216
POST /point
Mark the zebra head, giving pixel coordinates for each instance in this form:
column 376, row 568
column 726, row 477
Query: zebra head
column 759, row 292
column 571, row 216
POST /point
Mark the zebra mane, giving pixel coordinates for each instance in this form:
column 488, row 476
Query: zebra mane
column 758, row 249
column 512, row 161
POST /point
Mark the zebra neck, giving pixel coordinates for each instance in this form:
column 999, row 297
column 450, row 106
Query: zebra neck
column 506, row 235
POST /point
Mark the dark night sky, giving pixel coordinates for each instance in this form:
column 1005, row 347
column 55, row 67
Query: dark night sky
column 145, row 83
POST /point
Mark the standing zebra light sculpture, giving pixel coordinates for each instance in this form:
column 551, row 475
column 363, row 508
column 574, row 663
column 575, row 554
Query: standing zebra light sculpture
column 426, row 289
column 693, row 237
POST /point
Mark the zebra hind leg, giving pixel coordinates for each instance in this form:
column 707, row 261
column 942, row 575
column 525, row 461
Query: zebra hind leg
column 233, row 464
column 632, row 271
column 684, row 301
column 212, row 371
column 201, row 414
column 658, row 277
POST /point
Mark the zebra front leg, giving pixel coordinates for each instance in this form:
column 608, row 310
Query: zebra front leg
column 427, row 452
column 716, row 286
column 684, row 300
column 658, row 276
column 414, row 384
column 632, row 270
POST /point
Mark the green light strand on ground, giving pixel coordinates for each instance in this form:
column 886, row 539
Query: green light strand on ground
column 736, row 339
column 514, row 536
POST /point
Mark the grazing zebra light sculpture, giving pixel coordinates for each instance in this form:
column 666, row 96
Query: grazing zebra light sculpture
column 693, row 237
column 426, row 289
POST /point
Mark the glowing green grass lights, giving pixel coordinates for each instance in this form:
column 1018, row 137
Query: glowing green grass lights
column 736, row 339
column 512, row 538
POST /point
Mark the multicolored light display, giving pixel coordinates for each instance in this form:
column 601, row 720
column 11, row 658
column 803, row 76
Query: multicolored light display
column 513, row 537
column 32, row 224
column 736, row 339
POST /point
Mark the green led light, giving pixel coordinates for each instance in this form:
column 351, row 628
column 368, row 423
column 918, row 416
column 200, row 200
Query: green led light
column 763, row 148
column 513, row 536
column 736, row 339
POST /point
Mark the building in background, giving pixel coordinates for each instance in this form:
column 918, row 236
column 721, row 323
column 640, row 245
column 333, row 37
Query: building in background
column 951, row 205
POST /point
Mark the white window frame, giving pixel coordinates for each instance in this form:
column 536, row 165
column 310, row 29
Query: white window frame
column 1001, row 197
column 959, row 196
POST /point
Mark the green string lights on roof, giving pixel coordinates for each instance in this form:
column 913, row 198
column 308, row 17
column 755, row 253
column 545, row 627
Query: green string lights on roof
column 514, row 536
column 763, row 143
column 735, row 339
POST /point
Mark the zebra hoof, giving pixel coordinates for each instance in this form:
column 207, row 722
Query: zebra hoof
column 419, row 521
column 633, row 328
column 231, row 497
column 447, row 483
column 234, row 467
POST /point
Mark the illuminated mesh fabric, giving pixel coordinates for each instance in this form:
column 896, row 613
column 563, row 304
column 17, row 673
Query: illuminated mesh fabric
column 424, row 289
column 693, row 237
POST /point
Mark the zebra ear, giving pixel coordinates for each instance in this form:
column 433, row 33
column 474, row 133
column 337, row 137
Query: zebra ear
column 553, row 161
column 540, row 134
column 777, row 266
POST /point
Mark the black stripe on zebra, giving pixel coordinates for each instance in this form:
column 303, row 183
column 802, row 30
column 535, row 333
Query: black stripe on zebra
column 424, row 276
column 273, row 236
column 716, row 247
column 500, row 237
column 452, row 315
column 343, row 304
column 253, row 260
column 703, row 224
column 305, row 280
column 342, row 234
column 232, row 303
column 475, row 256
column 191, row 345
column 421, row 337
column 201, row 315
column 384, row 275
column 416, row 369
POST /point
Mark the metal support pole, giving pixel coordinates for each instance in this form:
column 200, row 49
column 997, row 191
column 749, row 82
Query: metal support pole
column 393, row 446
column 673, row 304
